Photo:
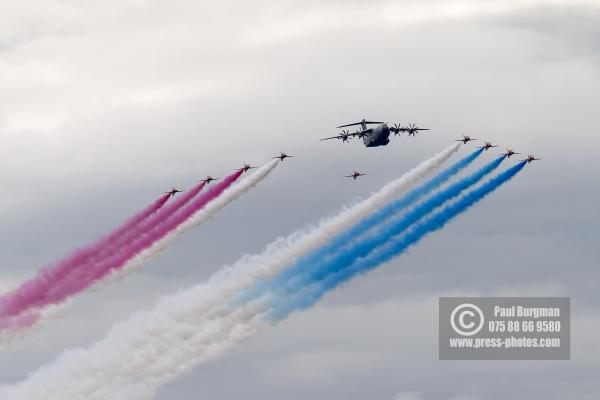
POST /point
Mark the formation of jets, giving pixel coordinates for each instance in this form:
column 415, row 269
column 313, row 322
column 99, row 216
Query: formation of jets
column 487, row 145
column 372, row 137
column 209, row 179
column 378, row 135
column 412, row 129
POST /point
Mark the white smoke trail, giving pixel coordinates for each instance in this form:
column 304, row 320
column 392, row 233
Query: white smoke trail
column 284, row 251
column 142, row 354
column 206, row 213
column 11, row 336
column 193, row 326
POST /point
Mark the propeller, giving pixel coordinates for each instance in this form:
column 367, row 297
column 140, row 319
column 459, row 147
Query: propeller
column 345, row 135
column 413, row 129
column 396, row 128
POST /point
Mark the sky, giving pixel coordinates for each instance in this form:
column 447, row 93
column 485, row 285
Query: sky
column 106, row 104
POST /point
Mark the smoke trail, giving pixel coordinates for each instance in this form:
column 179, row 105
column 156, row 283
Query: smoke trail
column 301, row 274
column 81, row 279
column 282, row 303
column 396, row 206
column 134, row 221
column 18, row 322
column 158, row 218
column 141, row 354
column 284, row 251
column 314, row 261
column 203, row 215
column 153, row 221
column 183, row 331
column 15, row 302
column 21, row 322
column 150, row 244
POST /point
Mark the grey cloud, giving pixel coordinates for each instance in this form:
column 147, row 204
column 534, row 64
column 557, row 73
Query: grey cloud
column 110, row 104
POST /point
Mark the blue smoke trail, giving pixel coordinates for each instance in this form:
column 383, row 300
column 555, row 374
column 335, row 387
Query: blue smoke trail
column 301, row 274
column 283, row 302
column 312, row 260
column 393, row 207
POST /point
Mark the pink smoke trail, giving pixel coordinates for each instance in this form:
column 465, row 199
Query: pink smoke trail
column 82, row 278
column 149, row 223
column 19, row 322
column 133, row 221
column 33, row 290
column 55, row 272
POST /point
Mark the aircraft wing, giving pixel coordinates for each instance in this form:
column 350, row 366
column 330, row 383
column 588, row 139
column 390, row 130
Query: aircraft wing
column 361, row 132
column 328, row 138
column 360, row 123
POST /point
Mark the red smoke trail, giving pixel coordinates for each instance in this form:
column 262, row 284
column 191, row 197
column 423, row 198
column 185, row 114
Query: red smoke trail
column 82, row 278
column 19, row 322
column 133, row 221
column 151, row 222
column 59, row 270
column 48, row 279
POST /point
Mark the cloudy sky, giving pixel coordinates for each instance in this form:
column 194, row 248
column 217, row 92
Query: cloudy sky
column 105, row 104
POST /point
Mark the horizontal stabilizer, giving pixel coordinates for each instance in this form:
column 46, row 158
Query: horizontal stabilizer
column 360, row 123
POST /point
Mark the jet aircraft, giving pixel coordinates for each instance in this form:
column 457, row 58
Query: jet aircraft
column 487, row 146
column 282, row 156
column 209, row 179
column 246, row 167
column 465, row 139
column 509, row 152
column 173, row 192
column 354, row 175
column 531, row 158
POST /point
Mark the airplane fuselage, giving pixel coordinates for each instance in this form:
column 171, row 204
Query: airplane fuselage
column 378, row 136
